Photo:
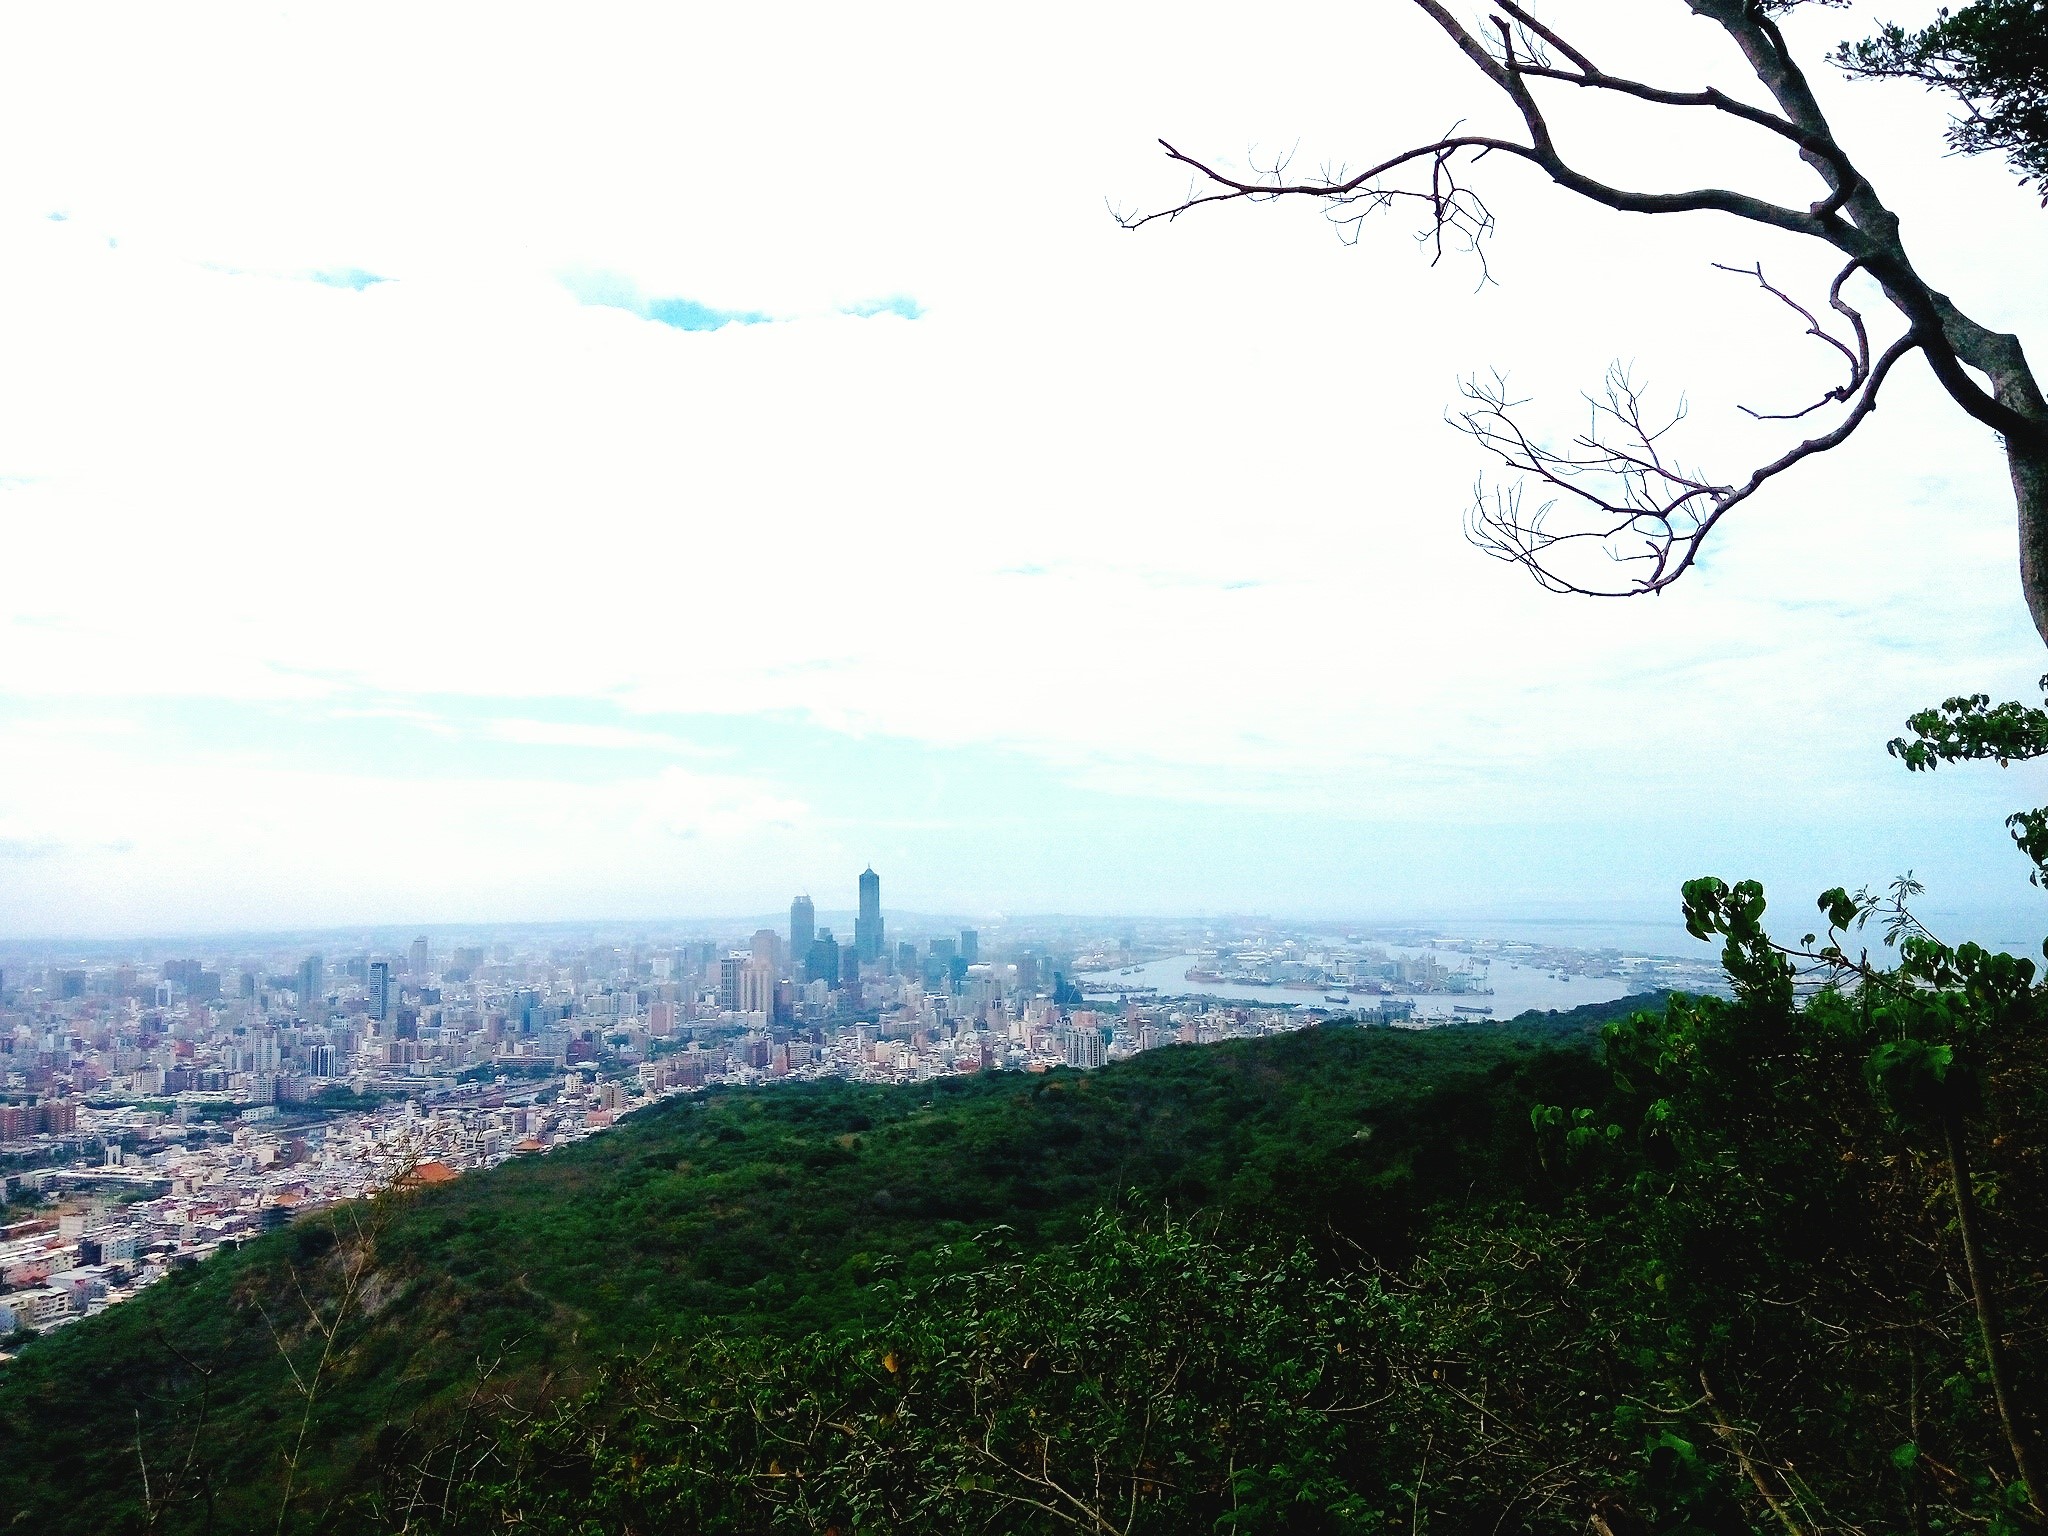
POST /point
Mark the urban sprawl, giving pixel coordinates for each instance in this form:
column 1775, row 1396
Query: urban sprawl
column 158, row 1108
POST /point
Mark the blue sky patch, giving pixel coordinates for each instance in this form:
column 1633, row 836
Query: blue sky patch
column 353, row 278
column 689, row 315
column 611, row 290
column 899, row 304
column 608, row 290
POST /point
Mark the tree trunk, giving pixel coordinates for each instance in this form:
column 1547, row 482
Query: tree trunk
column 1958, row 346
column 2000, row 358
column 2030, row 489
column 1954, row 341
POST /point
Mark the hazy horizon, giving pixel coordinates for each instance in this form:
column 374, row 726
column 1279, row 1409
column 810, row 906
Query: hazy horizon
column 2007, row 928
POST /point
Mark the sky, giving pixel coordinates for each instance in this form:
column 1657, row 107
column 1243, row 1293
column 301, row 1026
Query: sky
column 483, row 463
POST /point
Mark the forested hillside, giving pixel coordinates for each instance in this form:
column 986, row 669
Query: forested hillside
column 768, row 1212
column 1785, row 1273
column 1768, row 1263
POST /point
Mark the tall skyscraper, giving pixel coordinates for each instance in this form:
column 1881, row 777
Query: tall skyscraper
column 420, row 959
column 383, row 995
column 729, row 968
column 803, row 927
column 867, row 928
column 970, row 946
column 767, row 948
column 312, row 983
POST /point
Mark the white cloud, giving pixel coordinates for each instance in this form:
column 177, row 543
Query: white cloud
column 99, row 842
column 609, row 738
column 1217, row 444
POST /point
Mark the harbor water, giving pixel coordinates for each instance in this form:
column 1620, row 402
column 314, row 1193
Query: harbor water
column 1516, row 989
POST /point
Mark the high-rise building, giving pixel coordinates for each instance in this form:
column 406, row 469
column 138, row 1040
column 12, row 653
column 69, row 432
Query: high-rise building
column 803, row 927
column 420, row 959
column 906, row 959
column 970, row 946
column 383, row 994
column 767, row 948
column 867, row 928
column 729, row 968
column 312, row 982
column 757, row 988
column 821, row 960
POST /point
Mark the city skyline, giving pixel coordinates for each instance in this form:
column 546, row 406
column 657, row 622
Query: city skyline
column 181, row 1098
column 177, row 1107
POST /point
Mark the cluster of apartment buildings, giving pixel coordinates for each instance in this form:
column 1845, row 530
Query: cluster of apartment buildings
column 157, row 1110
column 172, row 1186
column 168, row 1191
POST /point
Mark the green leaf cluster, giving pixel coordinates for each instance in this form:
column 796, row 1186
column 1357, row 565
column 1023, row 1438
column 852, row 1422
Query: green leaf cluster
column 1992, row 56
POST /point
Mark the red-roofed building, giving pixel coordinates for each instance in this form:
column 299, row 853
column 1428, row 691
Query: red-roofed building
column 429, row 1173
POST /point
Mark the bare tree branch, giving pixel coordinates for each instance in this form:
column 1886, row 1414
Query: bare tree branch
column 1858, row 356
column 1614, row 492
column 1640, row 511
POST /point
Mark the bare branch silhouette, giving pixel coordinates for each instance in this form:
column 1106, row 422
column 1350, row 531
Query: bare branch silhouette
column 1641, row 516
column 1858, row 356
column 179, row 1486
column 354, row 1256
column 1612, row 513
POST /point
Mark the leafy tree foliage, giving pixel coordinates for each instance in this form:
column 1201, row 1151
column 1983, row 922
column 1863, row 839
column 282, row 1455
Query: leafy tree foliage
column 1146, row 1379
column 1785, row 1274
column 1970, row 728
column 730, row 1215
column 1992, row 56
